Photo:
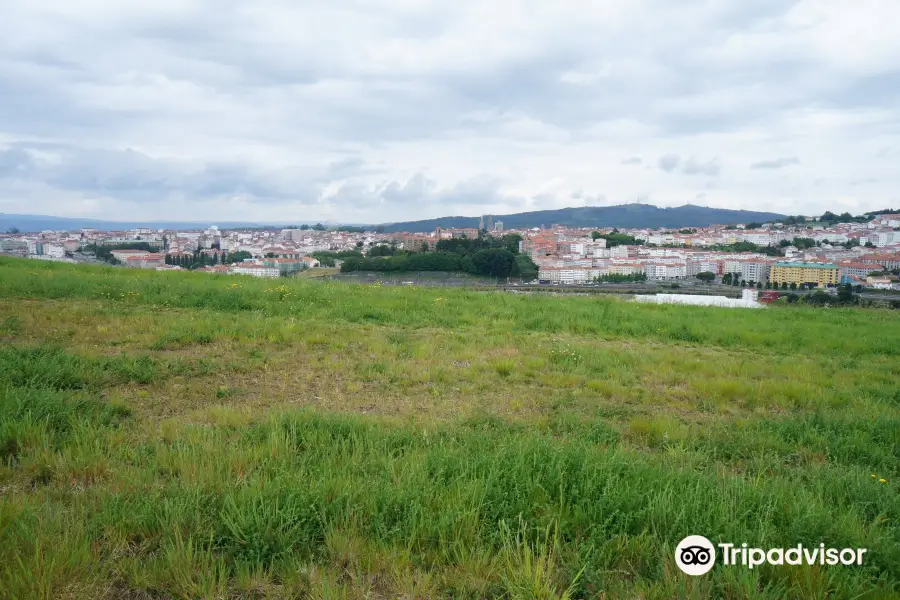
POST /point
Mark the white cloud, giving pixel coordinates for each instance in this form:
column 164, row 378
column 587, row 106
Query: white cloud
column 380, row 110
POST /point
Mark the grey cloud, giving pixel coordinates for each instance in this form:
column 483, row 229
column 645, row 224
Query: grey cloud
column 479, row 190
column 777, row 163
column 592, row 200
column 394, row 84
column 413, row 190
column 691, row 166
column 669, row 162
column 136, row 176
column 694, row 167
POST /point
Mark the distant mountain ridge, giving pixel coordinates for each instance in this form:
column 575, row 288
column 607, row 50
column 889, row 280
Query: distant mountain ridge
column 623, row 216
column 37, row 223
column 630, row 216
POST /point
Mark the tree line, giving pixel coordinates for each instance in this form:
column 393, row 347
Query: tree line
column 614, row 238
column 484, row 255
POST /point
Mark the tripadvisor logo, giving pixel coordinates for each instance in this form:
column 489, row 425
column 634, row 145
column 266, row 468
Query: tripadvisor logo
column 696, row 555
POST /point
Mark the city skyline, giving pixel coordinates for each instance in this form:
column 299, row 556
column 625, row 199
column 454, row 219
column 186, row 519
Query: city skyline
column 380, row 112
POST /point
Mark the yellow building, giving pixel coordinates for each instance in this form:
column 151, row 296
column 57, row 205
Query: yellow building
column 817, row 274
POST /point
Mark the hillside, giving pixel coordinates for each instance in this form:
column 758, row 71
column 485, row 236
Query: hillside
column 179, row 435
column 37, row 223
column 626, row 215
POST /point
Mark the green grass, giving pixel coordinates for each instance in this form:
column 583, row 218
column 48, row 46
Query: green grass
column 179, row 435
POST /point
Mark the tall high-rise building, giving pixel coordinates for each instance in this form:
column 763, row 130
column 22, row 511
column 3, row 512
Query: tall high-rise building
column 481, row 223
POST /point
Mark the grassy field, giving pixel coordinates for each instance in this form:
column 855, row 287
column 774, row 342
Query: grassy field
column 318, row 272
column 193, row 436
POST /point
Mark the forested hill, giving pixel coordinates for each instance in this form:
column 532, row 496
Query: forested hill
column 626, row 215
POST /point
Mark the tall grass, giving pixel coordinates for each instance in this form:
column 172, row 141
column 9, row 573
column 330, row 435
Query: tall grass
column 520, row 447
column 788, row 329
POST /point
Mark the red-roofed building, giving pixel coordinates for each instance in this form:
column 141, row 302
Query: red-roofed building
column 146, row 260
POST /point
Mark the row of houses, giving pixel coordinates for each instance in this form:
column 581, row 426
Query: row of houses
column 757, row 270
column 267, row 268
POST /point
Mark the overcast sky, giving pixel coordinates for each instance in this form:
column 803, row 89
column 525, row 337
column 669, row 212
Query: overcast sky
column 387, row 110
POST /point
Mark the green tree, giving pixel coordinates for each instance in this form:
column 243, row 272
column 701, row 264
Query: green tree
column 525, row 267
column 510, row 241
column 617, row 239
column 381, row 250
column 239, row 256
column 495, row 262
column 803, row 243
column 706, row 276
column 845, row 294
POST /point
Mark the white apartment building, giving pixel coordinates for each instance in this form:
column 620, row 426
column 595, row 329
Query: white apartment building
column 703, row 265
column 571, row 275
column 573, row 260
column 754, row 270
column 665, row 253
column 732, row 265
column 749, row 269
column 660, row 239
column 883, row 238
column 255, row 269
column 293, row 235
column 857, row 269
column 625, row 269
column 665, row 271
column 833, row 237
column 760, row 239
column 55, row 250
